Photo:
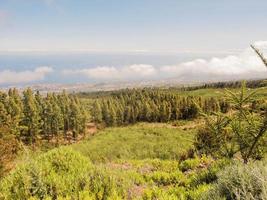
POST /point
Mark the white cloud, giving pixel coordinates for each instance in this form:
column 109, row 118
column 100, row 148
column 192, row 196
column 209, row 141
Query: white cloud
column 16, row 77
column 261, row 44
column 99, row 72
column 141, row 70
column 244, row 65
column 112, row 73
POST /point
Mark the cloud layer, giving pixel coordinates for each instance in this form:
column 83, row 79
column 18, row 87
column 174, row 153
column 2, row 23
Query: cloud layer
column 261, row 44
column 20, row 77
column 244, row 65
column 131, row 72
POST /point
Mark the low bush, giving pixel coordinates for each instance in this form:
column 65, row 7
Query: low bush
column 9, row 148
column 165, row 178
column 196, row 193
column 207, row 175
column 60, row 172
column 195, row 163
column 159, row 194
column 242, row 182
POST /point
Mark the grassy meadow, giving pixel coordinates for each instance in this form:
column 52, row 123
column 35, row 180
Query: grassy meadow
column 140, row 141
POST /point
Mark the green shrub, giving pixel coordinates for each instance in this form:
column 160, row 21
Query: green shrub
column 161, row 165
column 175, row 193
column 239, row 181
column 165, row 178
column 192, row 164
column 207, row 175
column 60, row 172
column 196, row 194
column 158, row 194
column 104, row 186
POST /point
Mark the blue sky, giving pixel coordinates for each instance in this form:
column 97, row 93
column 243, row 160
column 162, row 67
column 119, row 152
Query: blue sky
column 132, row 25
column 209, row 37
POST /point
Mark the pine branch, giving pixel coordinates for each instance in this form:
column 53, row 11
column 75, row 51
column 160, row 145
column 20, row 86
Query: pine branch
column 264, row 60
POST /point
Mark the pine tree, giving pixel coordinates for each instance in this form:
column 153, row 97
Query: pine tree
column 97, row 112
column 15, row 112
column 120, row 115
column 46, row 119
column 65, row 110
column 113, row 116
column 128, row 114
column 83, row 120
column 56, row 116
column 4, row 117
column 31, row 117
column 242, row 131
column 74, row 118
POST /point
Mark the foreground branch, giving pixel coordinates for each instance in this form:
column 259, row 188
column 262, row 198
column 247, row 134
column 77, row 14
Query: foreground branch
column 264, row 60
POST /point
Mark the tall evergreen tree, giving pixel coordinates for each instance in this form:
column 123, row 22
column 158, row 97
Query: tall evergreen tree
column 31, row 117
column 97, row 112
column 65, row 109
column 74, row 118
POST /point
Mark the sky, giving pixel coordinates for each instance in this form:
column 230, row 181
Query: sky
column 204, row 38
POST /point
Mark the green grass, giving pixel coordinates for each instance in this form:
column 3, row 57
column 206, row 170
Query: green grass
column 219, row 92
column 138, row 141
